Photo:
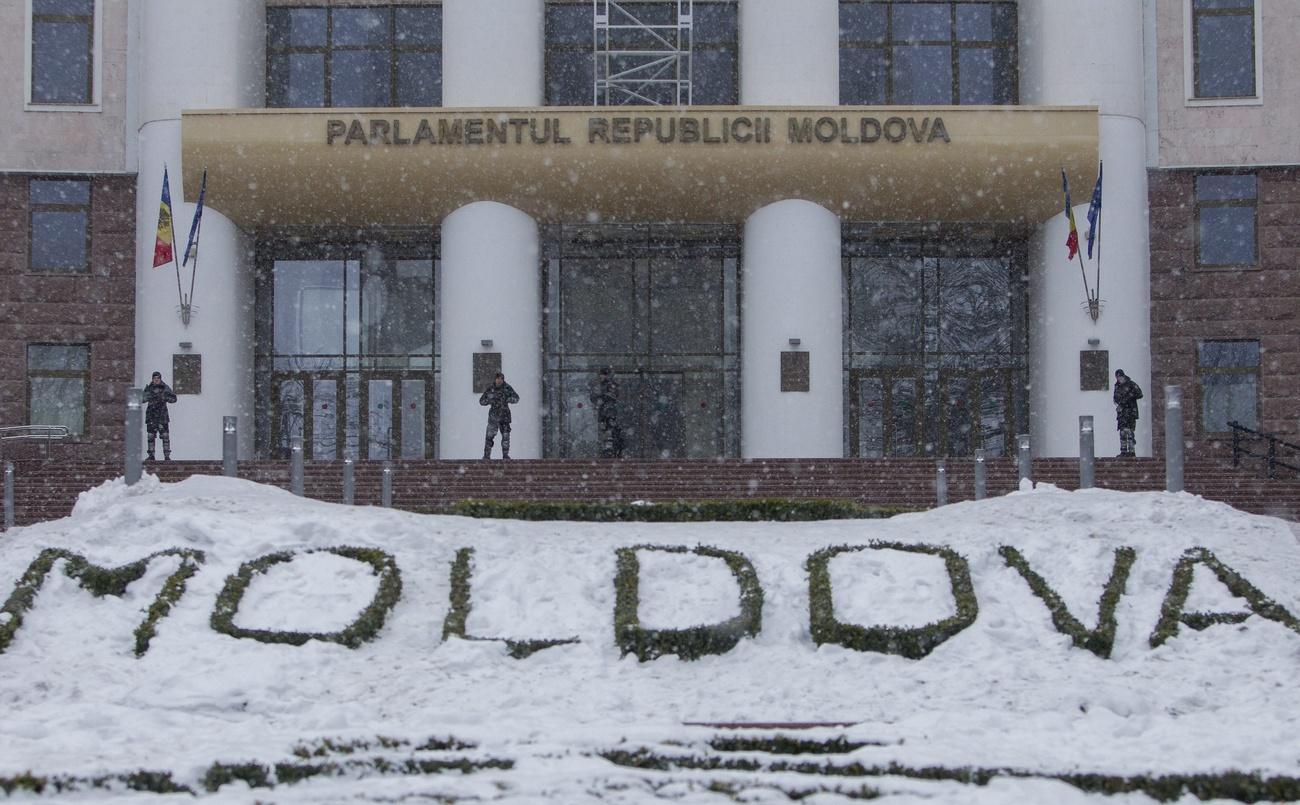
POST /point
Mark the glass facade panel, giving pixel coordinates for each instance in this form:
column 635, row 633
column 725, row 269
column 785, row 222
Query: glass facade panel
column 349, row 330
column 935, row 343
column 376, row 56
column 58, row 377
column 662, row 312
column 1229, row 398
column 1224, row 49
column 571, row 70
column 62, row 52
column 1226, row 218
column 60, row 225
column 897, row 51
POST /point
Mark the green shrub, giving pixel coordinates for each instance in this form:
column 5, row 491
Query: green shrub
column 99, row 582
column 366, row 627
column 696, row 641
column 755, row 510
column 1171, row 611
column 1099, row 641
column 1234, row 785
column 458, row 614
column 913, row 643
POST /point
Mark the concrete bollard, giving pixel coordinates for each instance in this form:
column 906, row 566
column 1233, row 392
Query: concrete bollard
column 9, row 496
column 386, row 487
column 981, row 475
column 349, row 482
column 295, row 465
column 134, row 454
column 1087, row 453
column 1173, row 439
column 230, row 446
column 941, row 483
column 1026, row 460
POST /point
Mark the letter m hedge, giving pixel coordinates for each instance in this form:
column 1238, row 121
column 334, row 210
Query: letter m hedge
column 99, row 582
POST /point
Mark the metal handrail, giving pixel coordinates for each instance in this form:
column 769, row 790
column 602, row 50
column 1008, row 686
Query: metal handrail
column 46, row 433
column 1270, row 457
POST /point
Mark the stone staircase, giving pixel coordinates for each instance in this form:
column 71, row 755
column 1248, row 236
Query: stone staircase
column 45, row 490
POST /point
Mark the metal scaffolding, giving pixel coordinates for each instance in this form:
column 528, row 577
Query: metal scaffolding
column 642, row 52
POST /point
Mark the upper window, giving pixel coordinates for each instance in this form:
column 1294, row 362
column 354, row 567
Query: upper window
column 639, row 61
column 376, row 56
column 927, row 53
column 59, row 225
column 58, row 381
column 1226, row 209
column 1228, row 372
column 1223, row 49
column 63, row 46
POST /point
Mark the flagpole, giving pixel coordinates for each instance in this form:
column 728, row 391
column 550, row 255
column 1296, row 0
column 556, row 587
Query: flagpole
column 199, row 231
column 1099, row 210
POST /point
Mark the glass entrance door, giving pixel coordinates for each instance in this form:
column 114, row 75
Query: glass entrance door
column 307, row 406
column 395, row 417
column 885, row 413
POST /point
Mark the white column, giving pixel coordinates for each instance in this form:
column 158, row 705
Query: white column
column 491, row 291
column 492, row 52
column 789, row 55
column 490, row 275
column 1096, row 59
column 792, row 290
column 194, row 54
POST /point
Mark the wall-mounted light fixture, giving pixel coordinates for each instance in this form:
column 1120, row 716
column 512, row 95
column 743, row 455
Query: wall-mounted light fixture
column 187, row 345
column 794, row 342
column 486, row 342
column 1094, row 342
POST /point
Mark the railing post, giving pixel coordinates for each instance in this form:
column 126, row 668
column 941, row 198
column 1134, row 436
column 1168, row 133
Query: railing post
column 295, row 465
column 349, row 482
column 9, row 496
column 1174, row 439
column 1236, row 444
column 386, row 487
column 134, row 454
column 981, row 475
column 230, row 446
column 1272, row 457
column 1087, row 453
column 941, row 483
column 1026, row 462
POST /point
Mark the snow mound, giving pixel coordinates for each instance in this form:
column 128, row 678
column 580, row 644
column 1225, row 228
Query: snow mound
column 1010, row 690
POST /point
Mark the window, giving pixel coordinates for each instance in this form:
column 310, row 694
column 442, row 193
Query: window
column 927, row 53
column 1228, row 374
column 63, row 46
column 572, row 66
column 1223, row 45
column 1225, row 220
column 59, row 225
column 58, row 382
column 376, row 56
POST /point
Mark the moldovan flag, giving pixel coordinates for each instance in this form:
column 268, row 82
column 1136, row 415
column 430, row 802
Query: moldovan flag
column 1071, row 240
column 163, row 243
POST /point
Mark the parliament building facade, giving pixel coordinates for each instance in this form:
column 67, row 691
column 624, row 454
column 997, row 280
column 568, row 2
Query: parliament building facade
column 790, row 228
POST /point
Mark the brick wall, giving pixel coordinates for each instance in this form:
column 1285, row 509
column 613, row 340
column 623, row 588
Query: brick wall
column 1262, row 303
column 95, row 308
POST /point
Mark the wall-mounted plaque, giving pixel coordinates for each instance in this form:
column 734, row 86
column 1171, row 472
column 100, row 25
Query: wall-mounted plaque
column 486, row 366
column 794, row 371
column 1094, row 370
column 187, row 373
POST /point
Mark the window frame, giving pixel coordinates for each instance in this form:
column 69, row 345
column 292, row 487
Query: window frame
column 1203, row 371
column 1198, row 205
column 956, row 45
column 1191, row 66
column 548, row 47
column 96, row 64
column 87, row 208
column 393, row 49
column 83, row 374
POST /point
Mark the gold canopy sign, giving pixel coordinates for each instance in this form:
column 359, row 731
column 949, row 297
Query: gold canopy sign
column 388, row 167
column 665, row 130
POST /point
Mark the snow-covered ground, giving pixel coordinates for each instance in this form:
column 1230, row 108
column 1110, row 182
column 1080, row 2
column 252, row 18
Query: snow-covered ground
column 1008, row 692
